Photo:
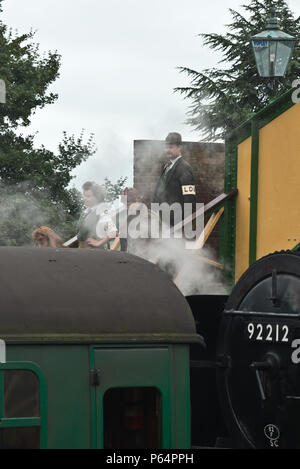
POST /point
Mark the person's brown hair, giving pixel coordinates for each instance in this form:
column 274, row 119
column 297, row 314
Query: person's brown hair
column 46, row 237
column 132, row 194
column 97, row 190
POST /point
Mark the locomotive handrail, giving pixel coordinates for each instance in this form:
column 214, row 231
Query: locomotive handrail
column 232, row 312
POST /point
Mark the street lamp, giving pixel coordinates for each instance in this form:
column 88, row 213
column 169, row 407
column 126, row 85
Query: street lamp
column 272, row 49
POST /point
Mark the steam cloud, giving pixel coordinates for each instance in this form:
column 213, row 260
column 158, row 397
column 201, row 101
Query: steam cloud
column 21, row 212
column 192, row 274
column 187, row 267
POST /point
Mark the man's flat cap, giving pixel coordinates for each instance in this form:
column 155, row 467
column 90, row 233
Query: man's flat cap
column 174, row 138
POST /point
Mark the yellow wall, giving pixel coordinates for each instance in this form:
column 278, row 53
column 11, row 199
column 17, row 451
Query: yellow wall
column 243, row 208
column 278, row 223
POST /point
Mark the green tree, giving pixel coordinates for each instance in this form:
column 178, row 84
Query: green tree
column 114, row 190
column 225, row 96
column 34, row 182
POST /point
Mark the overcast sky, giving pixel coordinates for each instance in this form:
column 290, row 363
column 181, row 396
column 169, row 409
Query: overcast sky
column 119, row 60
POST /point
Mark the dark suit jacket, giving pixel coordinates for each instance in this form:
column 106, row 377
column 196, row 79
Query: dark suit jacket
column 178, row 186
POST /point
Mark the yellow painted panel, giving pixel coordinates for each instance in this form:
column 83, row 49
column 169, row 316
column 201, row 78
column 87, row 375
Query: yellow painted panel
column 243, row 208
column 278, row 223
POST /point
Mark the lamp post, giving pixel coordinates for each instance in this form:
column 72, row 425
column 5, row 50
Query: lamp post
column 272, row 49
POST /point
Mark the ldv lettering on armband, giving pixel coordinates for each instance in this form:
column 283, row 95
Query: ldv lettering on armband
column 188, row 190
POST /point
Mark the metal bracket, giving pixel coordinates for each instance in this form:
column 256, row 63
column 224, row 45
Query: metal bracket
column 220, row 362
column 274, row 298
column 94, row 377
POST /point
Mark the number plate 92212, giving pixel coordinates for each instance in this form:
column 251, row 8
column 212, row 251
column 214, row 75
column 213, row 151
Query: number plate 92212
column 256, row 331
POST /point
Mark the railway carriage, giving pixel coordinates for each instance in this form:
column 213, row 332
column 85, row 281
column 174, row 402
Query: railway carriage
column 97, row 352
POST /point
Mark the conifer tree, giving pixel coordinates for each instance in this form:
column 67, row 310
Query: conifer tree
column 225, row 96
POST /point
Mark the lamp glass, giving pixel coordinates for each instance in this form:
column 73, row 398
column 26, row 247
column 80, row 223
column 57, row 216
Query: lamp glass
column 284, row 51
column 272, row 56
column 261, row 52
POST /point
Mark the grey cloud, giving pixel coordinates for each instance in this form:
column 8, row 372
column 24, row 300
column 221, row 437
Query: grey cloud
column 119, row 60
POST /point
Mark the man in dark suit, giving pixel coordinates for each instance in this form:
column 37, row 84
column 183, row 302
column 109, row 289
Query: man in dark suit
column 176, row 183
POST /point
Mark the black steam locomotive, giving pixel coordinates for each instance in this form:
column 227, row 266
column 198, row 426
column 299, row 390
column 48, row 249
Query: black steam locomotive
column 255, row 360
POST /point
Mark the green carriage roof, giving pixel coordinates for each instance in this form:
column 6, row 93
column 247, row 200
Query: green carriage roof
column 89, row 295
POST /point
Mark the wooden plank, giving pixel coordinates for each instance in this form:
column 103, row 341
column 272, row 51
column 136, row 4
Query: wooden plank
column 211, row 262
column 71, row 242
column 205, row 209
column 210, row 225
column 115, row 244
column 210, row 228
column 199, row 243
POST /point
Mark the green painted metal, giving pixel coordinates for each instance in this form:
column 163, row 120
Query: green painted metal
column 180, row 409
column 254, row 191
column 123, row 368
column 227, row 227
column 94, row 414
column 66, row 370
column 20, row 422
column 159, row 367
column 1, row 396
column 233, row 139
column 296, row 248
column 30, row 422
column 75, row 408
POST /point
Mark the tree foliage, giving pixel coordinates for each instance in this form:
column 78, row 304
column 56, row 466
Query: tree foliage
column 34, row 182
column 225, row 96
column 114, row 190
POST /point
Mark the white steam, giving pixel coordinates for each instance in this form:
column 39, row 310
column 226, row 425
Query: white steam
column 21, row 212
column 191, row 269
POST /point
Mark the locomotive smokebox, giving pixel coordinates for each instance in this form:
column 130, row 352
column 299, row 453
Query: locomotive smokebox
column 259, row 384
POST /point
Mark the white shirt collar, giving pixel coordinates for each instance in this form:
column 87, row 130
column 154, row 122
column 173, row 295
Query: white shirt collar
column 174, row 161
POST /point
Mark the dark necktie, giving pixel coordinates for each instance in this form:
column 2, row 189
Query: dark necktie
column 165, row 171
